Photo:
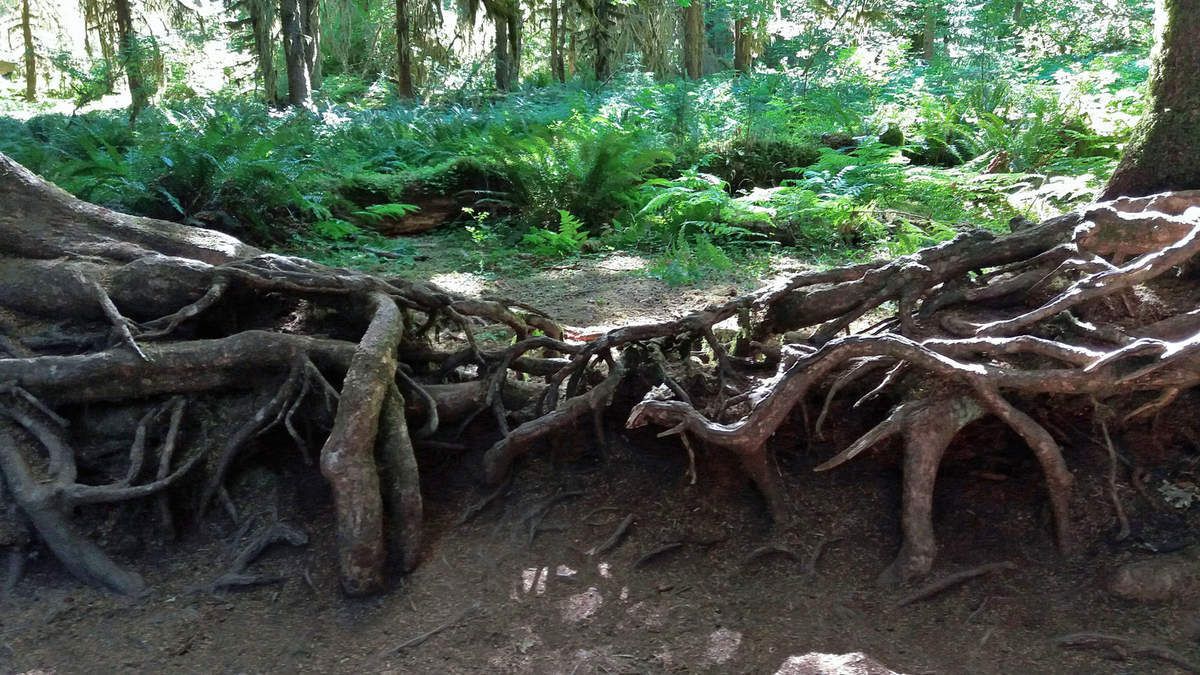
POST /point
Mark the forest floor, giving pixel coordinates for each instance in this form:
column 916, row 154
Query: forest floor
column 516, row 588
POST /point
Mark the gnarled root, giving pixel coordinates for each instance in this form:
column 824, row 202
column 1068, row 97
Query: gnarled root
column 110, row 310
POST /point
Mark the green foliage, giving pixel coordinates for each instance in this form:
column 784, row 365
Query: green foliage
column 378, row 214
column 691, row 261
column 567, row 241
column 677, row 211
column 694, row 174
column 335, row 229
column 589, row 166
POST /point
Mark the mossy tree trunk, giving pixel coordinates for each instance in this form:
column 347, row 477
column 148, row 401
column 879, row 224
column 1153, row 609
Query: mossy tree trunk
column 693, row 39
column 131, row 57
column 30, row 59
column 1164, row 153
column 404, row 72
column 310, row 21
column 299, row 84
column 262, row 23
column 743, row 45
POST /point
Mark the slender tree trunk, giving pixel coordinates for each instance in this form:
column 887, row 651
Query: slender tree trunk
column 743, row 47
column 572, row 47
column 515, row 45
column 503, row 67
column 30, row 59
column 310, row 23
column 601, row 46
column 557, row 67
column 1018, row 12
column 299, row 84
column 131, row 57
column 1164, row 153
column 262, row 23
column 693, row 39
column 404, row 74
column 929, row 40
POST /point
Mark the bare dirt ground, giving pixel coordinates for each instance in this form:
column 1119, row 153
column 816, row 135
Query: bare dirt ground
column 519, row 587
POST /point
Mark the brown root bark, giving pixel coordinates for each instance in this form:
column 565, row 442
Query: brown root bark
column 161, row 323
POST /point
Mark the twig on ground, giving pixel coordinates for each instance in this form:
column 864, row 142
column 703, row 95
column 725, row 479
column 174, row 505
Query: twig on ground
column 657, row 552
column 415, row 641
column 930, row 590
column 475, row 509
column 615, row 539
column 810, row 569
column 277, row 533
column 1118, row 507
column 539, row 513
column 770, row 549
column 1125, row 648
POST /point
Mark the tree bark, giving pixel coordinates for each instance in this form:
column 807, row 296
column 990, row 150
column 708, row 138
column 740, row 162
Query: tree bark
column 557, row 66
column 743, row 45
column 602, row 42
column 503, row 83
column 262, row 24
column 310, row 20
column 299, row 82
column 929, row 39
column 404, row 74
column 30, row 59
column 507, row 20
column 131, row 58
column 1164, row 152
column 693, row 39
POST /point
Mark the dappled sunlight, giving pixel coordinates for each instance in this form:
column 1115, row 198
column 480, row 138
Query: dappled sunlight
column 470, row 285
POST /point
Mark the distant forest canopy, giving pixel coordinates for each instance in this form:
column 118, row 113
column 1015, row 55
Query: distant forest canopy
column 290, row 48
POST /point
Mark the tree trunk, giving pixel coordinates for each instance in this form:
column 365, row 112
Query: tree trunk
column 298, row 78
column 1017, row 13
column 30, row 59
column 516, row 37
column 743, row 45
column 262, row 24
column 572, row 59
column 557, row 67
column 693, row 39
column 311, row 25
column 602, row 42
column 131, row 57
column 404, row 73
column 1164, row 152
column 929, row 39
column 502, row 55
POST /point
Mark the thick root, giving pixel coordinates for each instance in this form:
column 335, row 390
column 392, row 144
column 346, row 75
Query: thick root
column 105, row 309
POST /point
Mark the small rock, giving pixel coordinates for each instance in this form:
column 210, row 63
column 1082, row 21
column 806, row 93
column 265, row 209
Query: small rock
column 816, row 663
column 722, row 645
column 1159, row 579
column 894, row 136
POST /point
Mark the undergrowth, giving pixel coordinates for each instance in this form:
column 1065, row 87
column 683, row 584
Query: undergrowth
column 689, row 173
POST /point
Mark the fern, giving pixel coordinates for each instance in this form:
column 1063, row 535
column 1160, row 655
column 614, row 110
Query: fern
column 335, row 229
column 380, row 213
column 566, row 242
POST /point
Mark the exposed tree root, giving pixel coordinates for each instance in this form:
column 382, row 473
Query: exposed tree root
column 209, row 350
column 1125, row 647
column 941, row 585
